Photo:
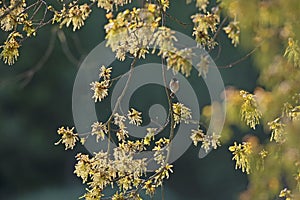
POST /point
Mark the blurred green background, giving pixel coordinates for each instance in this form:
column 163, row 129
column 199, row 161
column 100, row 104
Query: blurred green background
column 32, row 167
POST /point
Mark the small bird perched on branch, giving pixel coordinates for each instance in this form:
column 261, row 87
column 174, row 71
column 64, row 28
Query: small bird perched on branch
column 174, row 86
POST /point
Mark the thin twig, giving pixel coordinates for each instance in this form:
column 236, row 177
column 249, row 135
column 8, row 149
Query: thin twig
column 124, row 90
column 120, row 98
column 32, row 5
column 64, row 44
column 219, row 52
column 28, row 75
column 170, row 113
column 36, row 10
column 218, row 31
column 239, row 60
column 177, row 20
column 219, row 28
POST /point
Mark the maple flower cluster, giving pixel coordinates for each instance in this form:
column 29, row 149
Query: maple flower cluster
column 249, row 111
column 14, row 17
column 101, row 171
column 122, row 168
column 100, row 88
column 181, row 113
column 109, row 5
column 131, row 31
column 278, row 131
column 11, row 17
column 233, row 32
column 134, row 32
column 10, row 51
column 72, row 14
column 68, row 137
column 204, row 26
column 208, row 141
column 241, row 154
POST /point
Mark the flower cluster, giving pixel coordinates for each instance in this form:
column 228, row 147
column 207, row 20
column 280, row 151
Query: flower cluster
column 203, row 65
column 101, row 171
column 241, row 154
column 200, row 4
column 151, row 184
column 100, row 88
column 197, row 136
column 294, row 113
column 14, row 17
column 122, row 133
column 159, row 149
column 208, row 141
column 181, row 113
column 108, row 5
column 68, row 137
column 163, row 39
column 99, row 129
column 204, row 25
column 163, row 173
column 18, row 19
column 287, row 194
column 132, row 31
column 11, row 46
column 292, row 52
column 180, row 60
column 74, row 13
column 297, row 179
column 150, row 135
column 134, row 117
column 164, row 4
column 249, row 111
column 105, row 73
column 233, row 32
column 278, row 131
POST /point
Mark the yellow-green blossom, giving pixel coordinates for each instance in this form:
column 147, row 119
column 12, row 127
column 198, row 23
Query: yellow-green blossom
column 197, row 136
column 99, row 129
column 134, row 117
column 105, row 73
column 68, row 137
column 241, row 154
column 150, row 135
column 204, row 24
column 292, row 52
column 83, row 167
column 10, row 52
column 75, row 14
column 233, row 32
column 119, row 119
column 100, row 90
column 249, row 111
column 287, row 194
column 278, row 131
column 14, row 17
column 181, row 113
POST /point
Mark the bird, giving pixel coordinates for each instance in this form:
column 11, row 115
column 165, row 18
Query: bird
column 174, row 86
